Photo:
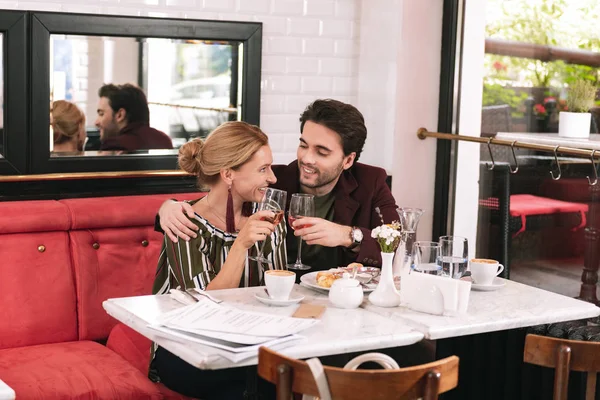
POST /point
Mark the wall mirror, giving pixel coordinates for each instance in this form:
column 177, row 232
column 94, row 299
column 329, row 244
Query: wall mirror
column 13, row 88
column 191, row 87
column 195, row 74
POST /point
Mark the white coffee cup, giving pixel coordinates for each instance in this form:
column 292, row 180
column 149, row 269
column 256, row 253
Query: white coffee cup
column 483, row 270
column 279, row 283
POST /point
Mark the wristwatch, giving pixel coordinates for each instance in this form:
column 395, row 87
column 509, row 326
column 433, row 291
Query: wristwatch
column 356, row 236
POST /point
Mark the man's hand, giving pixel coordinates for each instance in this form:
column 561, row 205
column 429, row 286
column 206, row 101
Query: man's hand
column 174, row 222
column 323, row 232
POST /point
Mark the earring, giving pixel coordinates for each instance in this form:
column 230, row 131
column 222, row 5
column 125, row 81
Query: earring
column 229, row 217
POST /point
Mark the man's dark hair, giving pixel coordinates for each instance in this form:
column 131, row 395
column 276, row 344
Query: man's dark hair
column 128, row 97
column 344, row 119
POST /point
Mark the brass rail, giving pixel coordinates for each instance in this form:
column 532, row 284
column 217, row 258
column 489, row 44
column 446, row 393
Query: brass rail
column 229, row 110
column 541, row 52
column 423, row 133
column 93, row 175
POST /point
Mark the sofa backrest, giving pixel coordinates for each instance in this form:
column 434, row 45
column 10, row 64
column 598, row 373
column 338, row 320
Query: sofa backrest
column 93, row 249
column 115, row 251
column 37, row 288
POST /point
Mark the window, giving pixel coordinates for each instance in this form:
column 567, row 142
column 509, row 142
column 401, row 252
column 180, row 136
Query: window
column 514, row 90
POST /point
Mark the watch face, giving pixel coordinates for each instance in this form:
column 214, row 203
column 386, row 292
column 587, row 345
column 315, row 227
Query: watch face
column 357, row 235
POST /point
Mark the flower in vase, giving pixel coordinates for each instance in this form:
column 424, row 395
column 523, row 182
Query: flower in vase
column 388, row 236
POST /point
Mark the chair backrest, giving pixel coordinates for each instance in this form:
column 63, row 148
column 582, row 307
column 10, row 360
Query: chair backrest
column 564, row 355
column 494, row 233
column 294, row 376
column 496, row 119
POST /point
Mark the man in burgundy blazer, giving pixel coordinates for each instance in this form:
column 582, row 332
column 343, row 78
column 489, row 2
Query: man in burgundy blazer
column 124, row 120
column 358, row 191
column 332, row 137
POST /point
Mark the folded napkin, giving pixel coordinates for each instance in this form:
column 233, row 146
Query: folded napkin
column 434, row 294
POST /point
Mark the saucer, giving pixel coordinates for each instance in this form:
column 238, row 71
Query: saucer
column 265, row 299
column 496, row 284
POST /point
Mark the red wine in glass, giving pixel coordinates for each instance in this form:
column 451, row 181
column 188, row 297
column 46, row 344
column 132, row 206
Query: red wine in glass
column 273, row 200
column 276, row 219
column 301, row 205
column 292, row 219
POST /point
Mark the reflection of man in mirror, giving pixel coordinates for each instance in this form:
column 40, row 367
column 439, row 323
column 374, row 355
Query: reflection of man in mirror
column 124, row 120
column 68, row 127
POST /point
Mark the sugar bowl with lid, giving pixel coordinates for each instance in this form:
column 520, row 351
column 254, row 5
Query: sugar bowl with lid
column 346, row 292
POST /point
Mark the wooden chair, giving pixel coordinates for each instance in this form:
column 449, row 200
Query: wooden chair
column 564, row 355
column 294, row 376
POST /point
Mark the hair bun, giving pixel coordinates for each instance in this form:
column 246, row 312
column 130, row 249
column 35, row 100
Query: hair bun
column 190, row 155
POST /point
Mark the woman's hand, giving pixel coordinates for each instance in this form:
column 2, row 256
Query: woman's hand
column 174, row 222
column 256, row 228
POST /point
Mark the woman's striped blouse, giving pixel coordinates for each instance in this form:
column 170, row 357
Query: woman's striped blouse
column 197, row 262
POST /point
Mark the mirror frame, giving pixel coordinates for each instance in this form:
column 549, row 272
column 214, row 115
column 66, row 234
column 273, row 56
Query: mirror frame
column 13, row 26
column 44, row 24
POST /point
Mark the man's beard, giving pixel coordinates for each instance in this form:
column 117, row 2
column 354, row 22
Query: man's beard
column 110, row 131
column 322, row 179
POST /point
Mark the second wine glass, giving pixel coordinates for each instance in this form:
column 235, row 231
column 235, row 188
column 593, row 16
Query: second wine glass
column 301, row 205
column 273, row 200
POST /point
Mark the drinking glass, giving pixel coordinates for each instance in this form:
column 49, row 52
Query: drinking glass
column 426, row 256
column 273, row 200
column 301, row 205
column 454, row 255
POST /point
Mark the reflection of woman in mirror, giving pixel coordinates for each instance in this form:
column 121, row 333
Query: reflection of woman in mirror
column 235, row 163
column 68, row 126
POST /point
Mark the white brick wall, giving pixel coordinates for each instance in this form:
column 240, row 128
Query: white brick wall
column 310, row 49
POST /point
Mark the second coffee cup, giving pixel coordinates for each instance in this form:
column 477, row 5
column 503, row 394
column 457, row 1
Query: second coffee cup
column 483, row 270
column 279, row 283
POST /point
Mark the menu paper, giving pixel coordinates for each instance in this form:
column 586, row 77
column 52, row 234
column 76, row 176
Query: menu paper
column 206, row 315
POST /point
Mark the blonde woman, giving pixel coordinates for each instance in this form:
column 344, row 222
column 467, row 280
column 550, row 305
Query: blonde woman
column 68, row 127
column 234, row 162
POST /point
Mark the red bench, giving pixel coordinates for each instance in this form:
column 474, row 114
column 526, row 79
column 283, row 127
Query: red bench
column 60, row 261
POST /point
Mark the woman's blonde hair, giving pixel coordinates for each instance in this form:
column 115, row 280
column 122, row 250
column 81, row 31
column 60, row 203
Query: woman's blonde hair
column 66, row 120
column 231, row 145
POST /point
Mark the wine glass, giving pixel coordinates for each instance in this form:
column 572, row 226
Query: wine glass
column 301, row 205
column 273, row 200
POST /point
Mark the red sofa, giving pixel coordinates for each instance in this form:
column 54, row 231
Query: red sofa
column 59, row 260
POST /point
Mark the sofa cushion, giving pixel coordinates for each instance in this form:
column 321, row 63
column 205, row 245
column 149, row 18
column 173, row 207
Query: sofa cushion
column 135, row 348
column 118, row 212
column 131, row 345
column 73, row 370
column 38, row 293
column 34, row 216
column 115, row 252
column 111, row 263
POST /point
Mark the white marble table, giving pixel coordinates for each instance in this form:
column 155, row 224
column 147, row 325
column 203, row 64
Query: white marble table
column 513, row 306
column 6, row 392
column 340, row 331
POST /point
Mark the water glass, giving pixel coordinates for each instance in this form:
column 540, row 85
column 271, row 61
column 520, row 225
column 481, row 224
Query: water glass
column 454, row 255
column 426, row 257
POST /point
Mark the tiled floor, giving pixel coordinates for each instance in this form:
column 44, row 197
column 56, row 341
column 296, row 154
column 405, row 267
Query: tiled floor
column 558, row 275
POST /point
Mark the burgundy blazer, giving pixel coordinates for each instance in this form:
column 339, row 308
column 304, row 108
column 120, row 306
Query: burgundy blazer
column 137, row 136
column 358, row 191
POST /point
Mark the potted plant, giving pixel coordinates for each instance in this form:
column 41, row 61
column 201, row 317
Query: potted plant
column 575, row 123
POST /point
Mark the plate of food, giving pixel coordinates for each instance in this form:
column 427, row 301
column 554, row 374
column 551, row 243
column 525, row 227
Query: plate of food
column 323, row 280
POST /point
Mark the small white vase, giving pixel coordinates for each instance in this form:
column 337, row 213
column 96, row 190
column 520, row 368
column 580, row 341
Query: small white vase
column 574, row 125
column 385, row 294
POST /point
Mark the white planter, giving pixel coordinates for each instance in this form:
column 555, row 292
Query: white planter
column 574, row 125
